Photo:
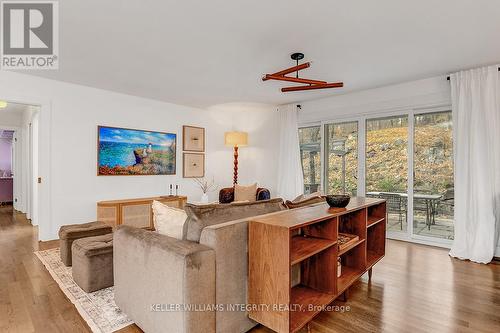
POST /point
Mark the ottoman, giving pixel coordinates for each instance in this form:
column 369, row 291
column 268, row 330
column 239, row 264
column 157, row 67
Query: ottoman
column 70, row 233
column 93, row 262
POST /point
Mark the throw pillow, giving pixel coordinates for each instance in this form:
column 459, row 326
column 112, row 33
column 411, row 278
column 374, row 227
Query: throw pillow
column 303, row 197
column 245, row 193
column 200, row 217
column 305, row 200
column 169, row 221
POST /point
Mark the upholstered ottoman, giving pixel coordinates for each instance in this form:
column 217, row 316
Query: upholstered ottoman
column 69, row 233
column 93, row 262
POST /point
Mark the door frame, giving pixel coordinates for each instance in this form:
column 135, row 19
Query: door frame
column 44, row 202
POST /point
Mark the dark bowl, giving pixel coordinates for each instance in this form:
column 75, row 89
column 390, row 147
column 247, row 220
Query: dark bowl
column 338, row 201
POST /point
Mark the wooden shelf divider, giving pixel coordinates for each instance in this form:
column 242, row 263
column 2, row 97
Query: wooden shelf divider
column 350, row 247
column 308, row 237
column 305, row 247
column 372, row 258
column 374, row 220
column 348, row 277
column 302, row 297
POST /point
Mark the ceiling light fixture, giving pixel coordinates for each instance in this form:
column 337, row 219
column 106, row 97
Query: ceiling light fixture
column 312, row 84
column 3, row 104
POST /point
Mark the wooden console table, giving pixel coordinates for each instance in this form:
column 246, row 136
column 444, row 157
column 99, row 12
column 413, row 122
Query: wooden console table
column 306, row 239
column 134, row 212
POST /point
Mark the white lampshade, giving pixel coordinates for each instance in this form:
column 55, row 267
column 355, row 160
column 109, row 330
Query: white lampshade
column 236, row 139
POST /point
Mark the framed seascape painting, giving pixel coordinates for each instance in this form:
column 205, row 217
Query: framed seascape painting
column 129, row 152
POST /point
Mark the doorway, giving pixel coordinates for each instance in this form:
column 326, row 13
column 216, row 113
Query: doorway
column 19, row 158
column 6, row 164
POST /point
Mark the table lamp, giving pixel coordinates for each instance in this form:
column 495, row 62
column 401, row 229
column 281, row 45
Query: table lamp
column 236, row 139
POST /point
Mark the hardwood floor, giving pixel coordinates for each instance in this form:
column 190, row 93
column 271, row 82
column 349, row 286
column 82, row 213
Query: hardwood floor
column 414, row 288
column 30, row 300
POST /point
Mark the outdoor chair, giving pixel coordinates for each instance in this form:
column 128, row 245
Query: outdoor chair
column 447, row 201
column 395, row 204
column 423, row 205
column 449, row 197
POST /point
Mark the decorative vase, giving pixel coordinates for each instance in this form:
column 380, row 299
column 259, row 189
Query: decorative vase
column 204, row 198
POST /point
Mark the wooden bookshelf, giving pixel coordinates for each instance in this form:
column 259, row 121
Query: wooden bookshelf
column 306, row 238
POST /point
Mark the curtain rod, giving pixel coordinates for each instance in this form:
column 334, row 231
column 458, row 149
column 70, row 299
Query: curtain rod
column 299, row 106
column 448, row 78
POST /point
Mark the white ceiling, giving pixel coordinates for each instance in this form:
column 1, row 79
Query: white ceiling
column 202, row 53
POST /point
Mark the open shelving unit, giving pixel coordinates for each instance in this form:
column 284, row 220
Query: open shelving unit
column 293, row 259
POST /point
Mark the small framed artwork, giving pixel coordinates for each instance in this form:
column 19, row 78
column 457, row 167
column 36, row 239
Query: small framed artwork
column 193, row 165
column 193, row 138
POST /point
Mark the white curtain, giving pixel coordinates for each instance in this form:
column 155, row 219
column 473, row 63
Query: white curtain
column 476, row 118
column 290, row 178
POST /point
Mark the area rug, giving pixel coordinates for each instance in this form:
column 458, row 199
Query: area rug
column 98, row 309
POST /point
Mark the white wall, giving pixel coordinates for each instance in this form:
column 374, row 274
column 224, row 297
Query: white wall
column 28, row 198
column 22, row 175
column 424, row 93
column 257, row 162
column 10, row 119
column 68, row 132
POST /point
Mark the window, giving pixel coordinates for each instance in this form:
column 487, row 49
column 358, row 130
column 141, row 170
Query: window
column 387, row 166
column 310, row 155
column 433, row 188
column 341, row 158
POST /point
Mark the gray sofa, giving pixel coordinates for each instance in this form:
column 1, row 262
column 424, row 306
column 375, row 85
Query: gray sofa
column 155, row 274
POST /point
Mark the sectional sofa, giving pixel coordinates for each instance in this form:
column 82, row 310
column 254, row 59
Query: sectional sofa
column 194, row 285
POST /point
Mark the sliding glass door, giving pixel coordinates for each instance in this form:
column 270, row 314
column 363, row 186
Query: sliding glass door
column 387, row 167
column 433, row 190
column 341, row 158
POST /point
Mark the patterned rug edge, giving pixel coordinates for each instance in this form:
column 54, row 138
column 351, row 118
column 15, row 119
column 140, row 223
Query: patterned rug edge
column 93, row 327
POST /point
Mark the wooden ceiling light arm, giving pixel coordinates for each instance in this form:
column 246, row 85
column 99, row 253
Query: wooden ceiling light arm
column 313, row 87
column 312, row 84
column 291, row 79
column 290, row 70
